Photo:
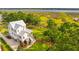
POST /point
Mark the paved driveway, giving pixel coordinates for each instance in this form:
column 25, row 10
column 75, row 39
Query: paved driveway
column 11, row 42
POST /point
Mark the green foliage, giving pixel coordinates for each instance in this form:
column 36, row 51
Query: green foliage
column 68, row 39
column 50, row 34
column 38, row 33
column 38, row 47
column 3, row 28
column 35, row 21
column 52, row 31
column 51, row 24
column 28, row 18
column 8, row 17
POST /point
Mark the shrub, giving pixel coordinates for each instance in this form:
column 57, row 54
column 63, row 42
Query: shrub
column 51, row 24
column 38, row 47
column 30, row 19
column 8, row 17
column 52, row 31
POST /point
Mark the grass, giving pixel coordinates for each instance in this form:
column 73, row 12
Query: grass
column 37, row 47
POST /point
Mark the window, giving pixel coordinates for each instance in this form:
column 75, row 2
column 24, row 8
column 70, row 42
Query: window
column 23, row 37
column 25, row 42
column 19, row 36
column 29, row 41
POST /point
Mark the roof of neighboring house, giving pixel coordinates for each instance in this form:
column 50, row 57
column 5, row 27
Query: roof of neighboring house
column 17, row 23
column 76, row 19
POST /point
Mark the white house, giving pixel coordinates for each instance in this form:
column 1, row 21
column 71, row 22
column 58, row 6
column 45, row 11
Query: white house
column 18, row 31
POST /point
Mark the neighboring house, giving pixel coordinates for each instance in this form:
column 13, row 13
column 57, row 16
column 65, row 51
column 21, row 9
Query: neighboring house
column 76, row 19
column 18, row 31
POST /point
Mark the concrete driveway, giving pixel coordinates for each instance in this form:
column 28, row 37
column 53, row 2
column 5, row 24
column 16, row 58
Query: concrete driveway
column 11, row 42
